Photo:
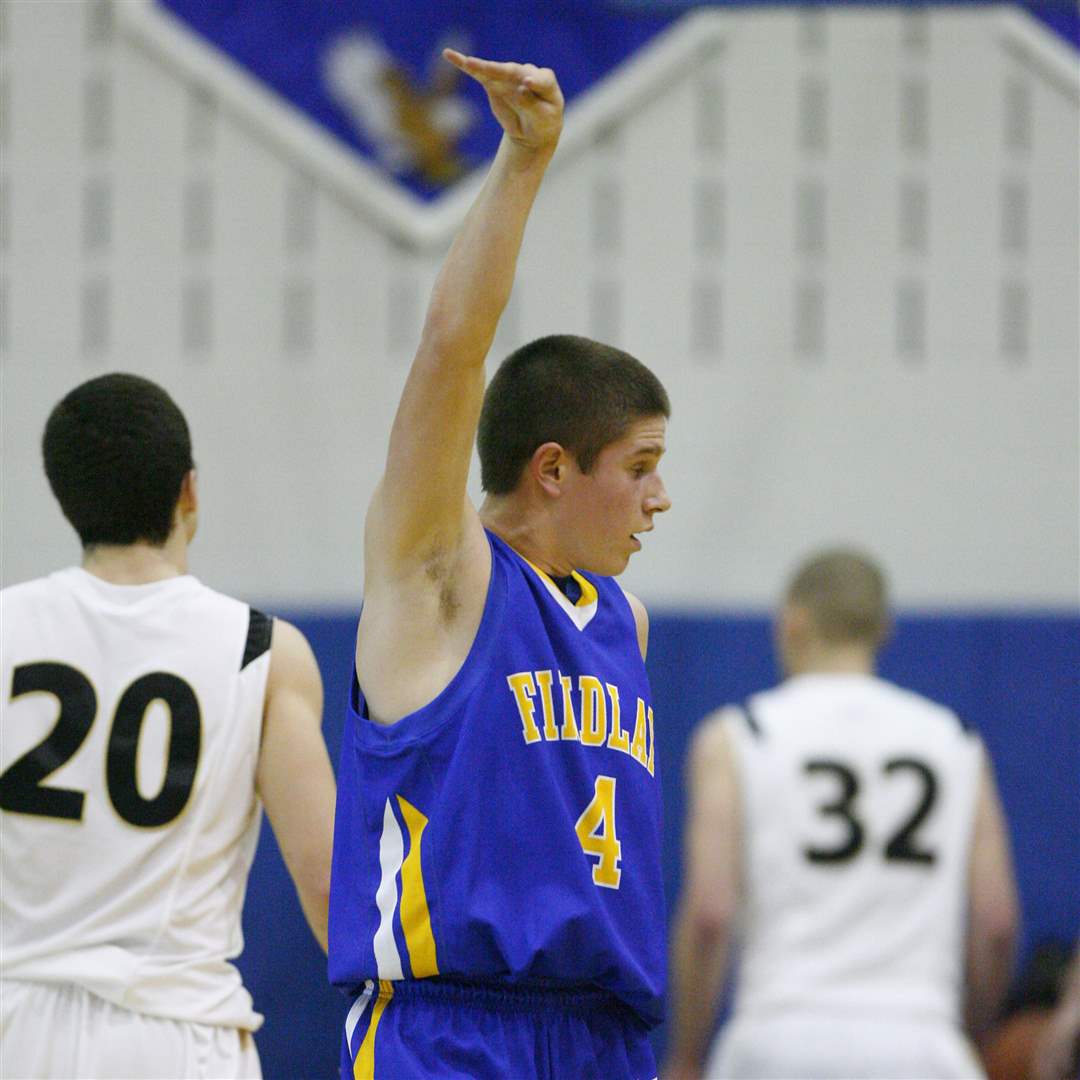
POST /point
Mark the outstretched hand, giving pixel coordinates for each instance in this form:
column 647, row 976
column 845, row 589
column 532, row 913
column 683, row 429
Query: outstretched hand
column 525, row 99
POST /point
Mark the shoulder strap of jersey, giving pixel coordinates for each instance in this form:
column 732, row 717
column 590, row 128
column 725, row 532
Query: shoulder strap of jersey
column 260, row 630
column 751, row 719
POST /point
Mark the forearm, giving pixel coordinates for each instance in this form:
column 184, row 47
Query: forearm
column 474, row 285
column 989, row 969
column 993, row 910
column 316, row 908
column 699, row 959
column 421, row 506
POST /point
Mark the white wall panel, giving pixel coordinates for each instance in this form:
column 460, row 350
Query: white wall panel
column 846, row 239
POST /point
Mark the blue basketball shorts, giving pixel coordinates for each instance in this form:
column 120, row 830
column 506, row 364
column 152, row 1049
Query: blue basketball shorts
column 440, row 1029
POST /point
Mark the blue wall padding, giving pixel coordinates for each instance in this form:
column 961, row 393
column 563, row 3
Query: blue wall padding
column 1014, row 677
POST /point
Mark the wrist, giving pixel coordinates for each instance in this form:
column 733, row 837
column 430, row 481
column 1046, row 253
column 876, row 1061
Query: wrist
column 524, row 155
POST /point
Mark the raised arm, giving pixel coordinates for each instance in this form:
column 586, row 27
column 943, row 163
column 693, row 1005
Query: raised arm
column 707, row 908
column 420, row 507
column 294, row 777
column 426, row 560
column 993, row 909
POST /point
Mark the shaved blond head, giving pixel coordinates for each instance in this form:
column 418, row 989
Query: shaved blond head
column 844, row 592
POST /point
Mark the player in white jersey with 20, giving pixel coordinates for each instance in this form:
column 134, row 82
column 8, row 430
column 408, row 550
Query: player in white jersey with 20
column 144, row 718
column 848, row 834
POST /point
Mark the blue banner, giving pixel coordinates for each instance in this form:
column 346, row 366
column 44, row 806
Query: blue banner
column 372, row 74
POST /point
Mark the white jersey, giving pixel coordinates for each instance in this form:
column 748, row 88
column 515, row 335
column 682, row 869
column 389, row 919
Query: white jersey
column 132, row 717
column 858, row 801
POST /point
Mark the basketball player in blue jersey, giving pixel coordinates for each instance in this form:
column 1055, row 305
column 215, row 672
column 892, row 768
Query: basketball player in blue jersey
column 496, row 899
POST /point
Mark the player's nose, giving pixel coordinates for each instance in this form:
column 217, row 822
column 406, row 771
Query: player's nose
column 657, row 501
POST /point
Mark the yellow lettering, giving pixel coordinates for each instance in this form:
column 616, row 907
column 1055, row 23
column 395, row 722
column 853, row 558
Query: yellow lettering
column 523, row 687
column 637, row 745
column 652, row 743
column 618, row 739
column 569, row 724
column 543, row 680
column 596, row 833
column 593, row 710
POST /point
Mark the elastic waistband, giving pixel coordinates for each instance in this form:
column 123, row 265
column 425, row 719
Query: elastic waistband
column 500, row 996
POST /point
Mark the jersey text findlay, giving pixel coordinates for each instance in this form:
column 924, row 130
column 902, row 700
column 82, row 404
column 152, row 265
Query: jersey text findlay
column 597, row 705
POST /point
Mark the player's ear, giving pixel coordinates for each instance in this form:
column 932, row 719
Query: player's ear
column 548, row 467
column 187, row 506
column 800, row 623
column 189, row 492
column 794, row 627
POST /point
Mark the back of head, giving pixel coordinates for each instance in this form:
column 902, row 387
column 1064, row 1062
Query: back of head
column 565, row 389
column 116, row 452
column 844, row 592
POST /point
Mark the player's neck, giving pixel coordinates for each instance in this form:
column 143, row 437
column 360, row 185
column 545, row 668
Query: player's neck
column 136, row 564
column 833, row 660
column 528, row 533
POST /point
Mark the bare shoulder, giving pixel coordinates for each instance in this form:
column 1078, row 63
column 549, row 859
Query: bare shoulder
column 710, row 746
column 292, row 663
column 641, row 620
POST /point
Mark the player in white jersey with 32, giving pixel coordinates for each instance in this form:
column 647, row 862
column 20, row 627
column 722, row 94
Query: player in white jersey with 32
column 848, row 834
column 144, row 718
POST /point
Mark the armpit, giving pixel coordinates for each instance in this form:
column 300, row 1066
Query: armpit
column 439, row 569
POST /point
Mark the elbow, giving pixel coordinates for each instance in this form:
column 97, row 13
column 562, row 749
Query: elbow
column 451, row 333
column 710, row 921
column 1003, row 935
column 1001, row 923
column 315, row 902
column 312, row 881
column 1008, row 929
column 995, row 929
column 316, row 888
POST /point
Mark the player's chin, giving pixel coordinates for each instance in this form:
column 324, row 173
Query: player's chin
column 618, row 563
column 612, row 559
column 609, row 565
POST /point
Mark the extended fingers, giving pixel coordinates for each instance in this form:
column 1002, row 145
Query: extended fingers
column 492, row 73
column 486, row 71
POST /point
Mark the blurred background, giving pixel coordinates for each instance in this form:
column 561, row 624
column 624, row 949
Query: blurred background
column 845, row 237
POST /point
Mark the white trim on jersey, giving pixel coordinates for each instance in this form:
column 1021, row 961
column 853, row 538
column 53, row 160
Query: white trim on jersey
column 391, row 856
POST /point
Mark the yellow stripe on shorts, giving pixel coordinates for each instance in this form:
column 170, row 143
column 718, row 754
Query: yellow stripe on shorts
column 364, row 1065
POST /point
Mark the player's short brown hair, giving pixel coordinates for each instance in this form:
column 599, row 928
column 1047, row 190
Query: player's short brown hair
column 565, row 389
column 845, row 592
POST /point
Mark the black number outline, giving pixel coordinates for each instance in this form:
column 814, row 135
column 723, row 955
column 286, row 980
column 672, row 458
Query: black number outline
column 185, row 741
column 21, row 785
column 901, row 848
column 902, row 845
column 842, row 809
column 21, row 789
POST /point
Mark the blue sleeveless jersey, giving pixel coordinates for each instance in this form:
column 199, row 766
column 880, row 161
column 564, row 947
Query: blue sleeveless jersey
column 510, row 830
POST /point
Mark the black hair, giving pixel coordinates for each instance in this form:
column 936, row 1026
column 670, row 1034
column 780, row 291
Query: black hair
column 116, row 452
column 565, row 389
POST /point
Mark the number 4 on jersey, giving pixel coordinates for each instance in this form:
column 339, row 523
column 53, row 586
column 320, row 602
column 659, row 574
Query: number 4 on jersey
column 596, row 834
